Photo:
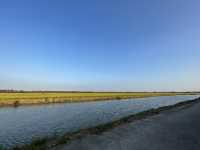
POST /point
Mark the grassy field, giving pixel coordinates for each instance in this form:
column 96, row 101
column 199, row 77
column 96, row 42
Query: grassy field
column 18, row 98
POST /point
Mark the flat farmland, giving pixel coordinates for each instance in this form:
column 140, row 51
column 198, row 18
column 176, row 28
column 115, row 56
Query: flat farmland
column 18, row 98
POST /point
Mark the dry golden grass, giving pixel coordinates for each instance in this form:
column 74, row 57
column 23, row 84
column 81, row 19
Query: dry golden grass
column 58, row 97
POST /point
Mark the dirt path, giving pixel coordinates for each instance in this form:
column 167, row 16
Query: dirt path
column 177, row 129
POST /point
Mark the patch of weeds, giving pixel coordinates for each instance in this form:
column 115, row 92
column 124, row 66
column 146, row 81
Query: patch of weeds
column 62, row 140
column 16, row 103
column 38, row 144
column 118, row 97
column 2, row 148
column 46, row 100
column 39, row 141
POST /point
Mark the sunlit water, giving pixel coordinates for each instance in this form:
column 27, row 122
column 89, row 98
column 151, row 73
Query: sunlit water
column 20, row 125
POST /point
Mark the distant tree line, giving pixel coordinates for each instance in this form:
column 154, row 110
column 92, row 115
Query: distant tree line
column 46, row 91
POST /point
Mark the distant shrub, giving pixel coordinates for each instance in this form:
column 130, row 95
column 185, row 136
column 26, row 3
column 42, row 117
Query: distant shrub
column 46, row 100
column 16, row 103
column 118, row 97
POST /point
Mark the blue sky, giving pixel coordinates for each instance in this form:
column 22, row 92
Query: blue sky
column 121, row 45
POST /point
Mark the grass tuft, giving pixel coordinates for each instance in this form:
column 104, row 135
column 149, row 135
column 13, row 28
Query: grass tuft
column 2, row 148
column 37, row 144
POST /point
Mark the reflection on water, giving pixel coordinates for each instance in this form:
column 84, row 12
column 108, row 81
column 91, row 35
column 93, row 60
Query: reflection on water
column 20, row 125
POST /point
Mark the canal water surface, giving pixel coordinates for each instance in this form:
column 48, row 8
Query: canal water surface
column 20, row 125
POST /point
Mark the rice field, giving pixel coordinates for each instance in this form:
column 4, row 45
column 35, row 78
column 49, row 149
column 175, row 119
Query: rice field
column 18, row 98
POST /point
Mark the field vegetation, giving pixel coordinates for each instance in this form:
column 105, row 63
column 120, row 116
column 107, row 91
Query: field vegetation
column 25, row 98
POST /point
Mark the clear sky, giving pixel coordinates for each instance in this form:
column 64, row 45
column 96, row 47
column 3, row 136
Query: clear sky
column 128, row 45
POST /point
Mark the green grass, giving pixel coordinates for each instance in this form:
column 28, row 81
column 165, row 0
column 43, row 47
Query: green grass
column 17, row 98
column 37, row 144
column 2, row 148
